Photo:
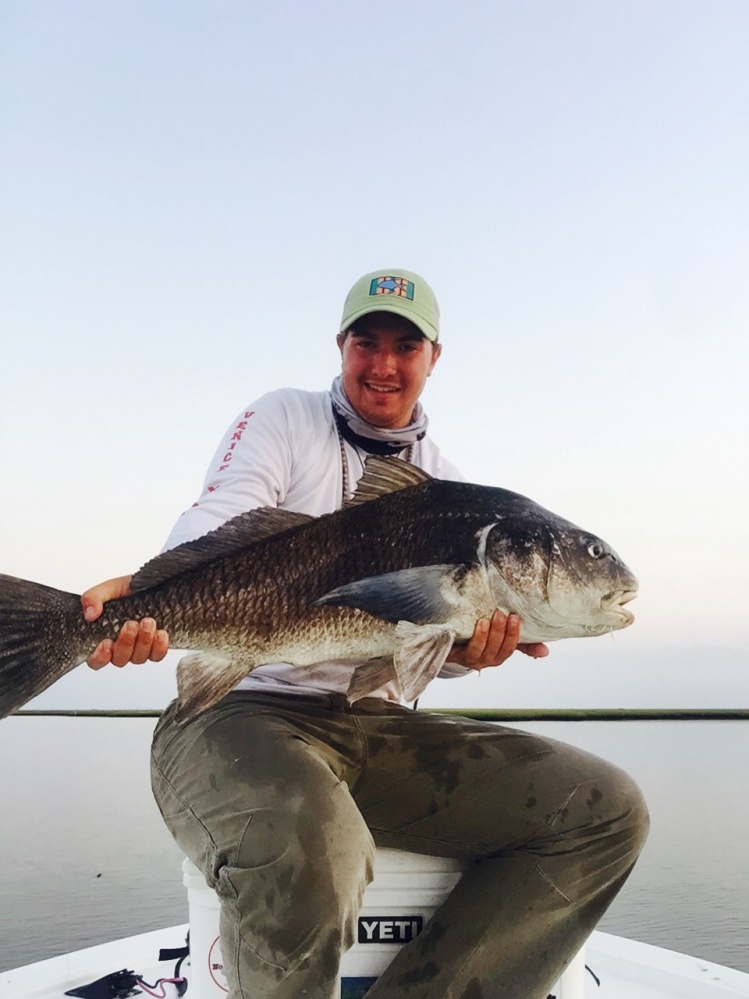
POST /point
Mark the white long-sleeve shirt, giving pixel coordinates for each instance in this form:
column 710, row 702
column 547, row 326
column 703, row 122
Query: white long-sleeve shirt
column 285, row 451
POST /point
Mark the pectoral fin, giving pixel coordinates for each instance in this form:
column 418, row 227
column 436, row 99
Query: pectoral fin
column 203, row 678
column 414, row 594
column 421, row 653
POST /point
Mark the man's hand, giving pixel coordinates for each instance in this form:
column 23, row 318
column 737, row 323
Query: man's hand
column 493, row 641
column 137, row 641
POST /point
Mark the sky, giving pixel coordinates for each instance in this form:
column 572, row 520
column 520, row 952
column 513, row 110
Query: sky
column 188, row 189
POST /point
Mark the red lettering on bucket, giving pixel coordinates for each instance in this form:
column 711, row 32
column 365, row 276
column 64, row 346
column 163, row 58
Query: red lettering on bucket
column 216, row 965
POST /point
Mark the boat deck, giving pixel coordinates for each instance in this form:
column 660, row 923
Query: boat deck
column 626, row 970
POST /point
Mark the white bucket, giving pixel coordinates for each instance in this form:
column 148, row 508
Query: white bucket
column 206, row 973
column 406, row 889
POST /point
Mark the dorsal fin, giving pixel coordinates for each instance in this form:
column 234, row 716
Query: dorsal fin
column 235, row 535
column 386, row 475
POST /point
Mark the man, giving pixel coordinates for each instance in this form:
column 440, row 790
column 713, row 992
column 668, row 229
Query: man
column 281, row 791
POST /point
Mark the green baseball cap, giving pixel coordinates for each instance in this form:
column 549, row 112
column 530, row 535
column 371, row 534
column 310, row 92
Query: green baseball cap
column 394, row 290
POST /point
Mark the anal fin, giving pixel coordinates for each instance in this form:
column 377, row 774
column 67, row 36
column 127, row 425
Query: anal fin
column 204, row 678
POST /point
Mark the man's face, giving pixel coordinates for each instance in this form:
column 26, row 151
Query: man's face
column 386, row 362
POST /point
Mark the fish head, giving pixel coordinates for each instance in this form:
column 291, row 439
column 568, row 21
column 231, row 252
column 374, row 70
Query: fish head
column 589, row 583
column 564, row 582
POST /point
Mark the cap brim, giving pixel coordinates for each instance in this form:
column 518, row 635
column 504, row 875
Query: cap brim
column 423, row 325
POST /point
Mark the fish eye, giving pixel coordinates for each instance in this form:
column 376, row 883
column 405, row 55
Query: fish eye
column 596, row 549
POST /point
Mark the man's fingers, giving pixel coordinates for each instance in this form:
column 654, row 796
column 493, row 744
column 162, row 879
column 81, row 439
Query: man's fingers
column 160, row 645
column 477, row 643
column 125, row 643
column 536, row 650
column 92, row 606
column 502, row 639
column 138, row 642
column 494, row 640
column 151, row 644
column 143, row 641
column 102, row 654
column 93, row 600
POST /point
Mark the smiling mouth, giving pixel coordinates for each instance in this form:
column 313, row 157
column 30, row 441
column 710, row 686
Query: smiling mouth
column 382, row 389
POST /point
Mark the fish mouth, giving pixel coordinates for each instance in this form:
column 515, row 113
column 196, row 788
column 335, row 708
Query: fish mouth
column 613, row 603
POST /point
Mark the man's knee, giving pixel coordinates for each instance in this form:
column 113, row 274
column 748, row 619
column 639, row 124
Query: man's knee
column 613, row 809
column 627, row 806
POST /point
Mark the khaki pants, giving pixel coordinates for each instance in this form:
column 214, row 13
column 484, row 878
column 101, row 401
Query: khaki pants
column 280, row 800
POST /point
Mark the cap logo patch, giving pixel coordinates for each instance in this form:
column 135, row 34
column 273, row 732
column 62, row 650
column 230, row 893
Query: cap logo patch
column 388, row 285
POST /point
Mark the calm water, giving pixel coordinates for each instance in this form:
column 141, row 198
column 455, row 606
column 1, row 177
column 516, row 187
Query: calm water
column 85, row 858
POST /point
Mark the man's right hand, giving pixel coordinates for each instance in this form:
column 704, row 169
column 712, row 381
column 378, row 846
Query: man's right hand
column 137, row 642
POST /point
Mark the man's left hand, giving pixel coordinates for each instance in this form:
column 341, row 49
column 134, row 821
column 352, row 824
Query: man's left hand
column 493, row 641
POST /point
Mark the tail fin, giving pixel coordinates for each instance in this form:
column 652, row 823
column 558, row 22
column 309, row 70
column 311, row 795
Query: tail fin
column 40, row 639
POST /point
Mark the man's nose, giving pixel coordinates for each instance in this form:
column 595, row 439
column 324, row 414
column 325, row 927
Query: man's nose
column 384, row 362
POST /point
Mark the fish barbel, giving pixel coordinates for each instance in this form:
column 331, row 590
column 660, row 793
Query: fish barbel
column 393, row 579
